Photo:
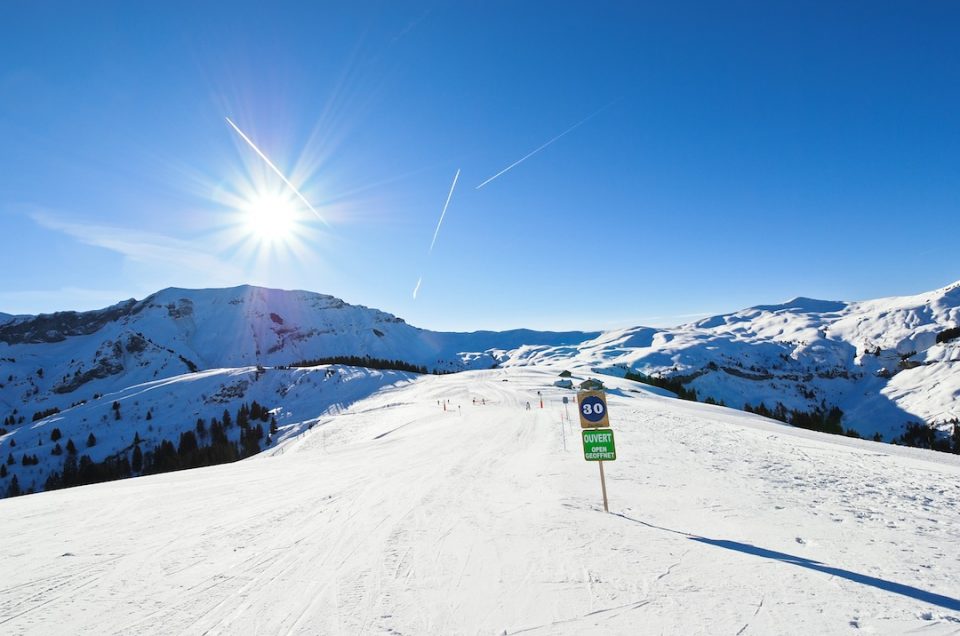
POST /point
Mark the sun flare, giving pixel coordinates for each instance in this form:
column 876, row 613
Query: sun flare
column 271, row 218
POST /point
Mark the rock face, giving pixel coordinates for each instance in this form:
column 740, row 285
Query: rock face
column 47, row 328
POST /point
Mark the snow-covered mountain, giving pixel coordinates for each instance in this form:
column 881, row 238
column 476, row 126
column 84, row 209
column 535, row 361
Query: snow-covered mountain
column 149, row 370
column 59, row 359
column 139, row 373
column 883, row 362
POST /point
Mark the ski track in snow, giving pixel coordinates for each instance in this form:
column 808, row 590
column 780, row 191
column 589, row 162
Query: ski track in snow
column 398, row 517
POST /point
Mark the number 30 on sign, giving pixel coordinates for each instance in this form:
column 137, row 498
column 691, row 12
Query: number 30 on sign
column 593, row 409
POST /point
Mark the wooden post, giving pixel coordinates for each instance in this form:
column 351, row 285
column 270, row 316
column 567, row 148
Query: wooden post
column 603, row 486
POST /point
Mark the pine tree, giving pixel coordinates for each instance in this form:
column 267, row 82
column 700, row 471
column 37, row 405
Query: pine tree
column 243, row 417
column 137, row 462
column 71, row 447
column 273, row 426
column 149, row 415
column 55, row 434
column 780, row 412
column 187, row 445
column 91, row 440
column 69, row 475
column 87, row 470
column 11, row 460
column 218, row 435
column 57, row 450
column 53, row 481
column 3, row 470
column 227, row 420
column 14, row 489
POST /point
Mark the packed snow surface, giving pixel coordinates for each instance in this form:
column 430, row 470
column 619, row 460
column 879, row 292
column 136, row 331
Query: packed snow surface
column 400, row 515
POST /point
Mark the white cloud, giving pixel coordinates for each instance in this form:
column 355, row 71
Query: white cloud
column 147, row 248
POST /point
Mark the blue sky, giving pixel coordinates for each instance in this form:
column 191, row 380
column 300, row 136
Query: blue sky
column 744, row 153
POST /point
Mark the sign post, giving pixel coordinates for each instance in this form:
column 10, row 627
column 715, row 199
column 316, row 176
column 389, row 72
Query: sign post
column 598, row 443
column 565, row 421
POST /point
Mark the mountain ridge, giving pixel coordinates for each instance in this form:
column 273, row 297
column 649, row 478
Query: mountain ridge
column 150, row 369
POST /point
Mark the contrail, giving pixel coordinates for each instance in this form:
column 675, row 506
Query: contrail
column 275, row 169
column 437, row 231
column 442, row 214
column 525, row 157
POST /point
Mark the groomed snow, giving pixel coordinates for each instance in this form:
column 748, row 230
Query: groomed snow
column 399, row 517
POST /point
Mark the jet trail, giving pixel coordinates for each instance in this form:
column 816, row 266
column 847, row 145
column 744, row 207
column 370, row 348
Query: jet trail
column 437, row 231
column 442, row 214
column 525, row 157
column 275, row 169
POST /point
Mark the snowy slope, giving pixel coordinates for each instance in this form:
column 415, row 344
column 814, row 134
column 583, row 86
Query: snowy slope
column 180, row 355
column 398, row 517
column 163, row 409
column 60, row 359
column 880, row 361
column 877, row 360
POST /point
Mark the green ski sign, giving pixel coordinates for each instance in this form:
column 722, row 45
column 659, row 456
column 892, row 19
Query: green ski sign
column 598, row 445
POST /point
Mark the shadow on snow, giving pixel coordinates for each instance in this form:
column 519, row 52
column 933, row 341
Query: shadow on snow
column 863, row 579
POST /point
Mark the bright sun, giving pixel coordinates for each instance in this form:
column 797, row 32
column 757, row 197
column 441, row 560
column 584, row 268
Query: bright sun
column 271, row 218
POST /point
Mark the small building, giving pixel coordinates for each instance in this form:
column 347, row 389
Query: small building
column 565, row 374
column 591, row 384
column 564, row 384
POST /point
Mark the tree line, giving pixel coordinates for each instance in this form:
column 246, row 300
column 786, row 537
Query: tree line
column 217, row 441
column 823, row 418
column 364, row 361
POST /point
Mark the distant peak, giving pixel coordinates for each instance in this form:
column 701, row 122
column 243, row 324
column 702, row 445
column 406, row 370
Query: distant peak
column 806, row 305
column 238, row 291
column 950, row 289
